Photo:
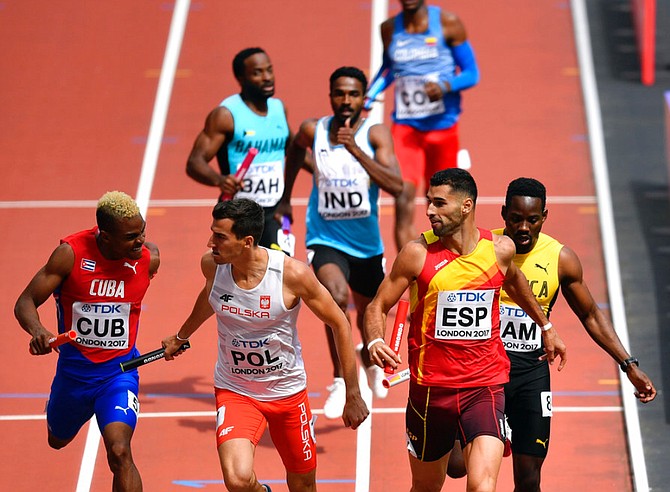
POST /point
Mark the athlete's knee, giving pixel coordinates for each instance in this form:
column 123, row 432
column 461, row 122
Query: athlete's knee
column 239, row 480
column 340, row 293
column 333, row 279
column 527, row 472
column 304, row 482
column 56, row 443
column 456, row 466
column 487, row 484
column 527, row 481
column 119, row 456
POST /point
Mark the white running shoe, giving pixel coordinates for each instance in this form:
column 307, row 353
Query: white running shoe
column 375, row 376
column 334, row 405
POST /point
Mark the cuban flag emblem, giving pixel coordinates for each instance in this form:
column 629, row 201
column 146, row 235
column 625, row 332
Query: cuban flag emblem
column 88, row 265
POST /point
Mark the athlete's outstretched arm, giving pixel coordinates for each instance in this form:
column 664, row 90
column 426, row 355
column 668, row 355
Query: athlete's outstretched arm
column 383, row 167
column 201, row 311
column 43, row 284
column 405, row 270
column 300, row 282
column 516, row 286
column 597, row 325
column 219, row 125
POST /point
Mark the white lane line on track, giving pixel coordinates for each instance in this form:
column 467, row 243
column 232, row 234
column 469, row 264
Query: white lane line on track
column 88, row 459
column 363, row 438
column 161, row 105
column 608, row 232
column 296, row 201
column 379, row 13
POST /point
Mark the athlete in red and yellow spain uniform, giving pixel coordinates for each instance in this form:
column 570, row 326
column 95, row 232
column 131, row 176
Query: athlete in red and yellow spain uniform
column 457, row 360
column 454, row 338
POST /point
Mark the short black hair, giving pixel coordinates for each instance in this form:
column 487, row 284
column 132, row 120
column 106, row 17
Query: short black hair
column 248, row 217
column 238, row 61
column 353, row 72
column 526, row 187
column 460, row 180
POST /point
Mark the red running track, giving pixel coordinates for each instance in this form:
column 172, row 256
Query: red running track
column 78, row 88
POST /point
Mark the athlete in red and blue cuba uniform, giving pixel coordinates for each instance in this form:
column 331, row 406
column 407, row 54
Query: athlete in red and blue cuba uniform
column 98, row 278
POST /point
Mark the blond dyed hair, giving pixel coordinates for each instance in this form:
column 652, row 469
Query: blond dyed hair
column 114, row 206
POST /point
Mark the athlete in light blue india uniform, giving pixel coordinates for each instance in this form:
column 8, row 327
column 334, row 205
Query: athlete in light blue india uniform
column 353, row 161
column 252, row 118
column 429, row 58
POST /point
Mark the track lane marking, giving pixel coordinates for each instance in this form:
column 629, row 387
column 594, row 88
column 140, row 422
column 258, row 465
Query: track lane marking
column 296, row 201
column 608, row 233
column 149, row 163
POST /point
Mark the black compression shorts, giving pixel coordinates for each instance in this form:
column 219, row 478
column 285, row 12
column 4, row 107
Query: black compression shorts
column 363, row 274
column 528, row 409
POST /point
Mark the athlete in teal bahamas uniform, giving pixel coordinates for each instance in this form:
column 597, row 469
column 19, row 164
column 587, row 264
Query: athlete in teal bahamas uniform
column 252, row 118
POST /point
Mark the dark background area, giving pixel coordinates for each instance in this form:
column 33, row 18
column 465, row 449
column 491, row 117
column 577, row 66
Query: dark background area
column 635, row 140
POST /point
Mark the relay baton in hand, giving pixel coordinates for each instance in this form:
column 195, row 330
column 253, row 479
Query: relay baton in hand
column 59, row 340
column 376, row 87
column 393, row 379
column 148, row 357
column 242, row 170
column 398, row 330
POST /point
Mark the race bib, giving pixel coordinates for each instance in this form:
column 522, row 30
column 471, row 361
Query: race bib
column 518, row 331
column 345, row 196
column 263, row 183
column 411, row 100
column 104, row 325
column 256, row 359
column 545, row 404
column 464, row 315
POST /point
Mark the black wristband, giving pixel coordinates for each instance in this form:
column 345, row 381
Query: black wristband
column 626, row 363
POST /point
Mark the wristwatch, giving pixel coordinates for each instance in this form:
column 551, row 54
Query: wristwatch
column 625, row 364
